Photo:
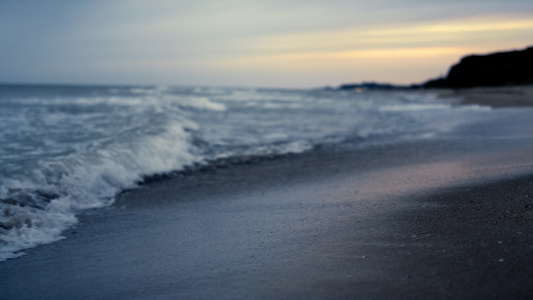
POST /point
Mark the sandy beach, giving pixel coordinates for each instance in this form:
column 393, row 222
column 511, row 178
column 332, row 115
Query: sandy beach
column 446, row 218
column 498, row 97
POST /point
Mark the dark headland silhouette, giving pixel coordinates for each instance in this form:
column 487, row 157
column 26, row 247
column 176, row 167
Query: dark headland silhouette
column 489, row 70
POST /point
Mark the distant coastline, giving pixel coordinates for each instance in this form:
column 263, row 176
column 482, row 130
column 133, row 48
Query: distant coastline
column 509, row 68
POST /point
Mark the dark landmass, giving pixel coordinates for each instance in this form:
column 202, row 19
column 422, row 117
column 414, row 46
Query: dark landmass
column 375, row 86
column 496, row 69
column 499, row 69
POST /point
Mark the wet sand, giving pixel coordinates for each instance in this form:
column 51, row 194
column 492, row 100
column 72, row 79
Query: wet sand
column 450, row 218
column 497, row 97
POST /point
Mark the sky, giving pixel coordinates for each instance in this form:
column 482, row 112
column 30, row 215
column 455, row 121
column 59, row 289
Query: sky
column 290, row 43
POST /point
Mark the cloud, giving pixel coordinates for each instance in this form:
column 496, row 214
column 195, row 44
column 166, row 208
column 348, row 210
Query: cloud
column 473, row 25
column 391, row 36
column 408, row 45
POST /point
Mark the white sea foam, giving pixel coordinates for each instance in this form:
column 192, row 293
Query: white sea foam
column 199, row 103
column 83, row 181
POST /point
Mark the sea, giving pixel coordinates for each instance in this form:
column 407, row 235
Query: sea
column 66, row 149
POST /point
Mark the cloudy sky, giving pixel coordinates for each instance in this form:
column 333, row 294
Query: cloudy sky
column 286, row 43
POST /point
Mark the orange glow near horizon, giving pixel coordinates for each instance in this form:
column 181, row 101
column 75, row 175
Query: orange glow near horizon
column 333, row 59
column 390, row 50
column 461, row 26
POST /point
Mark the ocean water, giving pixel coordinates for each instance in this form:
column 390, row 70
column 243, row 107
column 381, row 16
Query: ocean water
column 66, row 149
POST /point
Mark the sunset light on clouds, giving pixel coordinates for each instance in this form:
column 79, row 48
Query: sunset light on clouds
column 251, row 43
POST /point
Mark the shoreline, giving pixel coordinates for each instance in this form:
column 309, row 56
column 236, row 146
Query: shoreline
column 449, row 217
column 405, row 221
column 496, row 97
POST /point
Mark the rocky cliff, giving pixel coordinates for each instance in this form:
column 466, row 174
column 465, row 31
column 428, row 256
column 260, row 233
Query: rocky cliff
column 496, row 69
